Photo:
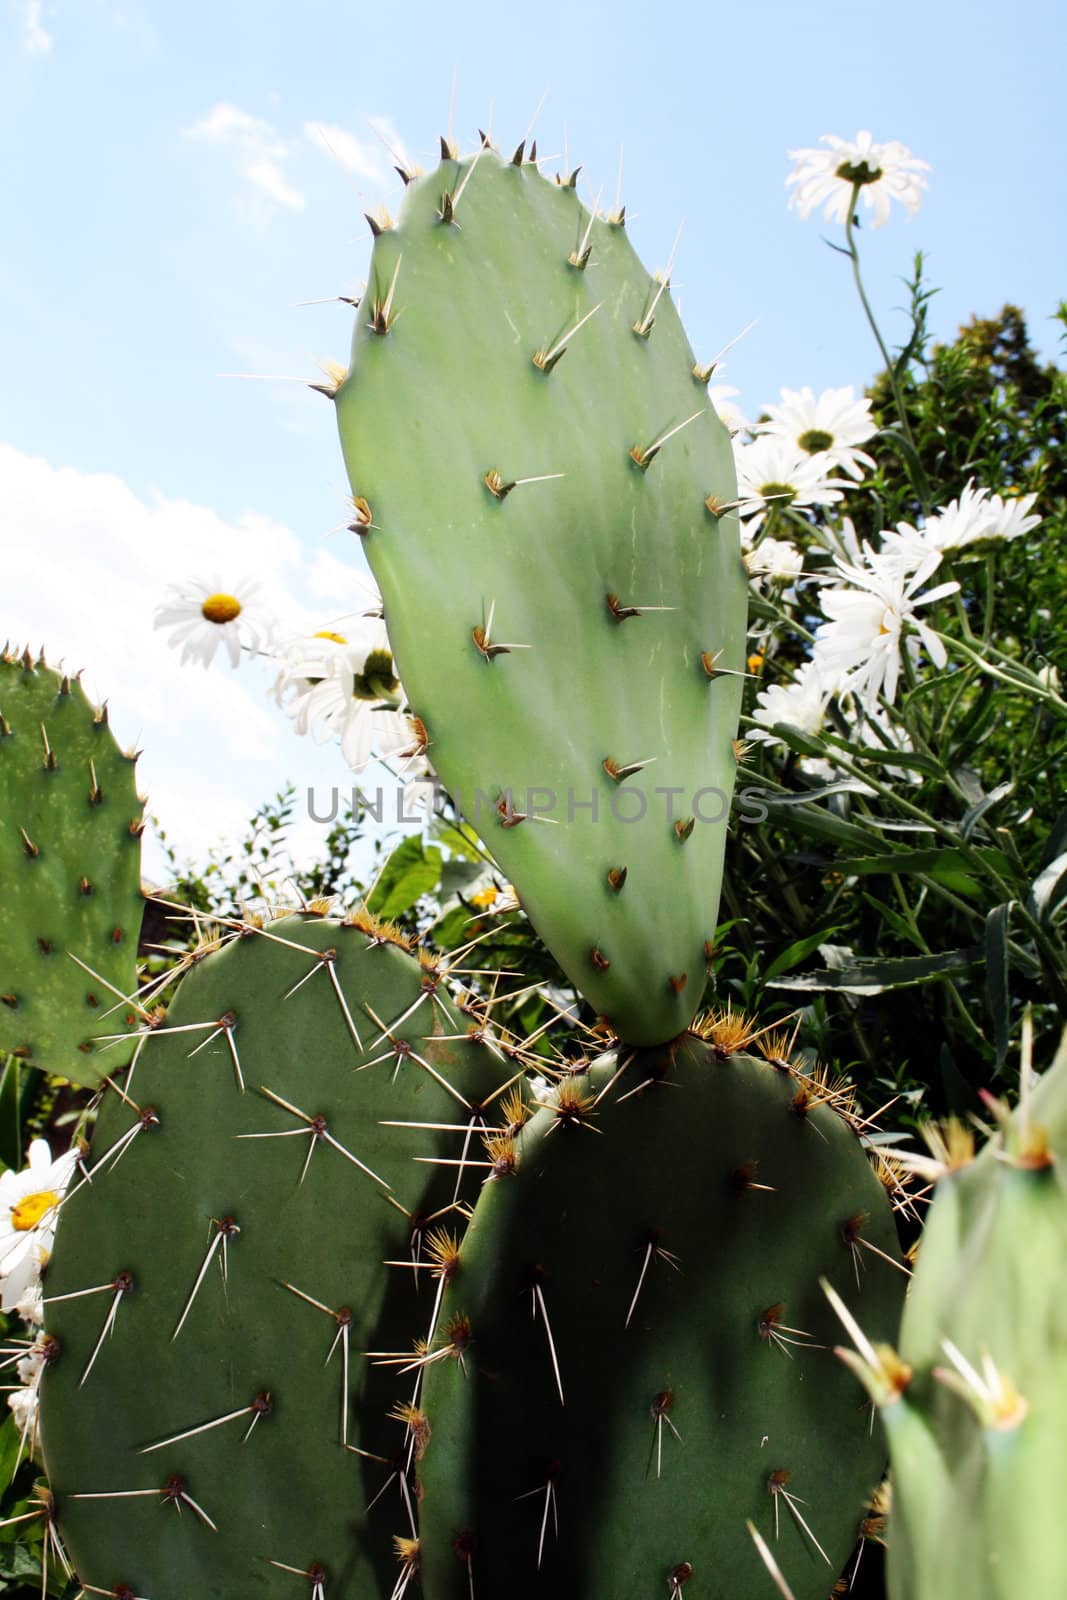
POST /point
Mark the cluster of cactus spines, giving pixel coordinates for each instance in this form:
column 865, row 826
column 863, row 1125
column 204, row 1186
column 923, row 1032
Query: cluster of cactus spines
column 975, row 1403
column 639, row 1346
column 70, row 911
column 263, row 1205
column 543, row 491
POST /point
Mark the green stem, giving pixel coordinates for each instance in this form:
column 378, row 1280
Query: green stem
column 922, row 487
column 1019, row 677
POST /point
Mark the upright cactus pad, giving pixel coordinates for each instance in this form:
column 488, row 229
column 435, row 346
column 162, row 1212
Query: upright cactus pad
column 538, row 479
column 215, row 1289
column 978, row 1429
column 70, row 905
column 640, row 1362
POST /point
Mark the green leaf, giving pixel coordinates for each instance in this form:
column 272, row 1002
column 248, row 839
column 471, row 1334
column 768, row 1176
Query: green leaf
column 943, row 865
column 411, row 871
column 998, row 993
column 900, row 758
column 457, row 876
column 797, row 952
column 1056, row 843
column 977, row 812
column 1049, row 890
column 458, row 844
column 815, row 823
column 801, row 742
column 10, row 1123
column 874, row 975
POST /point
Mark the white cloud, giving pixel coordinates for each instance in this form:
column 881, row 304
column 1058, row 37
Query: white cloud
column 36, row 38
column 259, row 150
column 358, row 156
column 86, row 561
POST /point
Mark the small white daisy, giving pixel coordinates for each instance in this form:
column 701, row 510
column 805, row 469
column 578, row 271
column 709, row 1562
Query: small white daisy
column 729, row 413
column 772, row 473
column 29, row 1206
column 775, row 559
column 873, row 619
column 23, row 1403
column 832, row 425
column 885, row 172
column 978, row 517
column 356, row 699
column 801, row 703
column 203, row 616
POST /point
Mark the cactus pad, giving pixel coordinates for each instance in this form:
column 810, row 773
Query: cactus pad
column 645, row 1363
column 230, row 1241
column 979, row 1434
column 533, row 456
column 70, row 910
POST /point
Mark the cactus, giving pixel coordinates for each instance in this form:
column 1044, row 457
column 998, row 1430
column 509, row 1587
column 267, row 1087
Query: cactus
column 975, row 1406
column 539, row 483
column 70, row 913
column 229, row 1241
column 639, row 1345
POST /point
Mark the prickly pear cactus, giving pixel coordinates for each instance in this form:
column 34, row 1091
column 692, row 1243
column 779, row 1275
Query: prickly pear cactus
column 70, row 909
column 260, row 1191
column 634, row 1355
column 538, row 479
column 977, row 1421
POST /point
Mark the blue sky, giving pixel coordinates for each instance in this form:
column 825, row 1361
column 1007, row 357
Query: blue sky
column 177, row 179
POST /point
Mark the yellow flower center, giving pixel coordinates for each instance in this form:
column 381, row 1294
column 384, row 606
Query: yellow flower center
column 29, row 1211
column 324, row 633
column 755, row 662
column 484, row 898
column 220, row 608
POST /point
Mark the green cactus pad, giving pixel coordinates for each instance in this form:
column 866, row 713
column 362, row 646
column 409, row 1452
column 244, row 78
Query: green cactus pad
column 979, row 1437
column 184, row 1188
column 572, row 642
column 70, row 858
column 673, row 1240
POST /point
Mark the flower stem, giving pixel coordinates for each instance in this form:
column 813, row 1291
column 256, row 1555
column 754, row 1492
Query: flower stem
column 918, row 476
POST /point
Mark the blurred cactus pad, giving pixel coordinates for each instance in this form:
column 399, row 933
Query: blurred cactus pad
column 979, row 1433
column 542, row 487
column 70, row 858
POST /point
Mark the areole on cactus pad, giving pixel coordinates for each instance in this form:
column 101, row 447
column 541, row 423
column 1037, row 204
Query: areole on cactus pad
column 539, row 482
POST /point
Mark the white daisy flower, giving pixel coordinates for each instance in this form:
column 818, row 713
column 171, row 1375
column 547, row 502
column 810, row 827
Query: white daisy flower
column 978, row 516
column 775, row 559
column 31, row 1306
column 872, row 621
column 801, row 703
column 774, row 472
column 29, row 1206
column 304, row 663
column 203, row 616
column 356, row 698
column 832, row 425
column 23, row 1403
column 885, row 172
column 721, row 396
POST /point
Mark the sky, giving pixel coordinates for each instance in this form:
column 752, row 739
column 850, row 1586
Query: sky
column 179, row 182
